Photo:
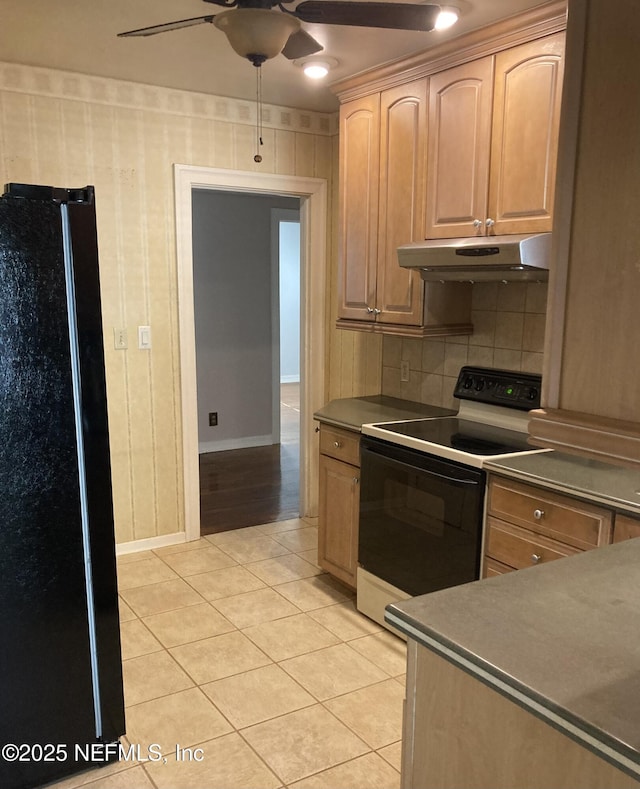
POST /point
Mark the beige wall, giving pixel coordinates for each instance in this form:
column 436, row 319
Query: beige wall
column 508, row 333
column 71, row 130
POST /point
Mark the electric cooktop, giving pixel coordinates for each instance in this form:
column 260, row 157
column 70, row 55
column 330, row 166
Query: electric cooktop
column 462, row 434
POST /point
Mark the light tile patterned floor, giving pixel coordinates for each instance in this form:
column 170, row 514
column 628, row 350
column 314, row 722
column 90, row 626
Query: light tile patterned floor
column 240, row 645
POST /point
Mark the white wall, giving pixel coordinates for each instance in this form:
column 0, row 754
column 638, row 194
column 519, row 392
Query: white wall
column 289, row 247
column 232, row 300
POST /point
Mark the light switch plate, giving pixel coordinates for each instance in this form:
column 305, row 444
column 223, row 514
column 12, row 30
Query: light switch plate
column 120, row 339
column 144, row 338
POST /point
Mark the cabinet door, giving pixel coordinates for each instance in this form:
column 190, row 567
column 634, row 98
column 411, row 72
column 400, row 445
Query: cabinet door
column 524, row 141
column 358, row 228
column 625, row 528
column 339, row 509
column 459, row 143
column 403, row 117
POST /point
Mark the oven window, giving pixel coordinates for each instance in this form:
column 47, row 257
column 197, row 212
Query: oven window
column 420, row 519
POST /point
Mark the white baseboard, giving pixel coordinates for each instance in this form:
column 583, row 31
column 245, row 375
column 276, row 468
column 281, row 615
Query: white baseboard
column 235, row 443
column 290, row 379
column 150, row 543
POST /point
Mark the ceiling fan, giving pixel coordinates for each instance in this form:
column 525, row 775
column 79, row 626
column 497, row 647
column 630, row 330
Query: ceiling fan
column 258, row 32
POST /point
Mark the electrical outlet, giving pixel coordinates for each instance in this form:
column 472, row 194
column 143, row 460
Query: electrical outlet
column 213, row 418
column 404, row 371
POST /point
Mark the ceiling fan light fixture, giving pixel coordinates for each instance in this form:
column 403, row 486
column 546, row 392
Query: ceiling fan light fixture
column 256, row 31
column 447, row 17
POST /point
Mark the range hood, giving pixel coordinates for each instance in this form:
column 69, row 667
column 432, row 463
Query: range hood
column 480, row 259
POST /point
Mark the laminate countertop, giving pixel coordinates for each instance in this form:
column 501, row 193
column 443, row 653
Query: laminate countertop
column 592, row 480
column 562, row 640
column 353, row 412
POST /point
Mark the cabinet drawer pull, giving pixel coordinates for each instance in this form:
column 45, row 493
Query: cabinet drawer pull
column 356, row 480
column 538, row 514
column 536, row 557
column 337, row 444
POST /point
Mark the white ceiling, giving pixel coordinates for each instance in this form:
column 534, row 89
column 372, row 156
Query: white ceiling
column 80, row 35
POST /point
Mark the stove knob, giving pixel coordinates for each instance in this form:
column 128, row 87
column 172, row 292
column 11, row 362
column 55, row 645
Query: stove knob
column 468, row 382
column 532, row 394
column 479, row 385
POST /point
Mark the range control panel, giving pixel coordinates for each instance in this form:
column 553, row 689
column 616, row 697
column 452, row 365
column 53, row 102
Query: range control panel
column 499, row 387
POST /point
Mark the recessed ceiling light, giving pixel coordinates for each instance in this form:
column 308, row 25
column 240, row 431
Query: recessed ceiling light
column 317, row 68
column 447, row 17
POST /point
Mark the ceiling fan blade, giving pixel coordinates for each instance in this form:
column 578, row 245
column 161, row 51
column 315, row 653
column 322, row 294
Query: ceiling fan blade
column 300, row 45
column 151, row 31
column 398, row 16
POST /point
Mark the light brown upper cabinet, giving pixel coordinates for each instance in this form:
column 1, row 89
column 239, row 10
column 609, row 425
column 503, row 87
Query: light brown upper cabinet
column 403, row 137
column 358, row 229
column 382, row 188
column 460, row 102
column 493, row 126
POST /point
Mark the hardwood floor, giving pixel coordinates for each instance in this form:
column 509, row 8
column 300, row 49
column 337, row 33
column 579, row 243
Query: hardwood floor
column 247, row 487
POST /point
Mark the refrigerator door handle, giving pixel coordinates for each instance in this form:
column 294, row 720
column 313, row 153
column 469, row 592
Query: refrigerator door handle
column 84, row 508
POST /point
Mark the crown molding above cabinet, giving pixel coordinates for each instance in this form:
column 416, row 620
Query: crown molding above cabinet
column 535, row 23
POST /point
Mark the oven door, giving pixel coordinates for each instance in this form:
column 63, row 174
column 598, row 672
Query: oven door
column 420, row 518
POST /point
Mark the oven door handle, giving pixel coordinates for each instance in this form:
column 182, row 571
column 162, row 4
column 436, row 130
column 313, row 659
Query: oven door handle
column 433, row 473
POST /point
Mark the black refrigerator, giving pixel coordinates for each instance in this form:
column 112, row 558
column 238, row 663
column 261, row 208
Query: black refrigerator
column 61, row 699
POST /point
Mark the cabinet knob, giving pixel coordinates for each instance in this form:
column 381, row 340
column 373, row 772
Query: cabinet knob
column 377, row 311
column 356, row 480
column 538, row 514
column 535, row 557
column 369, row 310
column 490, row 222
column 317, row 429
column 477, row 223
column 337, row 444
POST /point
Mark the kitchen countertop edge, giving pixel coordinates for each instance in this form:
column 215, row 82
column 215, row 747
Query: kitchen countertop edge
column 586, row 734
column 534, row 477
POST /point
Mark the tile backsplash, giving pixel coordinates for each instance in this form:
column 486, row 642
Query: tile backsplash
column 508, row 333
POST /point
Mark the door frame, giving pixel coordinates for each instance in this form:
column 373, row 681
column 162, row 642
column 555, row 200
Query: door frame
column 313, row 233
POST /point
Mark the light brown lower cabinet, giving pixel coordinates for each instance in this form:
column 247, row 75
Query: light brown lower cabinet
column 527, row 525
column 458, row 733
column 339, row 503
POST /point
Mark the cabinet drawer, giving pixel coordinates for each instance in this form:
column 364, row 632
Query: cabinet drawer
column 625, row 528
column 560, row 517
column 520, row 548
column 491, row 568
column 340, row 444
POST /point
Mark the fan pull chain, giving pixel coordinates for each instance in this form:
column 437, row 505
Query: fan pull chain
column 258, row 158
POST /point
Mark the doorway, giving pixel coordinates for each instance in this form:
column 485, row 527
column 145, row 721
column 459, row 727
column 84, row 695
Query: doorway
column 312, row 193
column 246, row 269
